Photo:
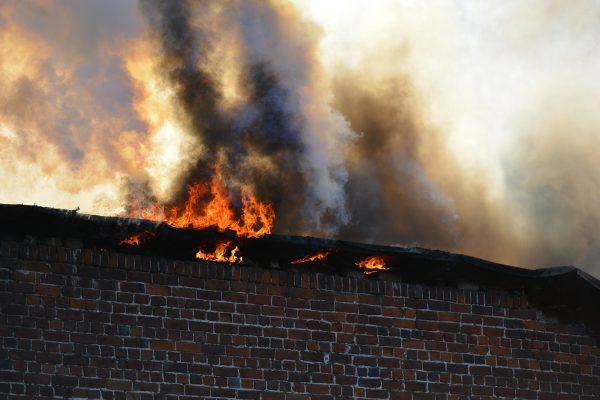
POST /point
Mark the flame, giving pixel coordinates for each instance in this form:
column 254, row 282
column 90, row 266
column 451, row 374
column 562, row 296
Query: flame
column 320, row 255
column 220, row 254
column 133, row 240
column 256, row 217
column 372, row 264
column 136, row 239
column 153, row 212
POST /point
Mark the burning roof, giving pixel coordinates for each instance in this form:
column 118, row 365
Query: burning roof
column 566, row 292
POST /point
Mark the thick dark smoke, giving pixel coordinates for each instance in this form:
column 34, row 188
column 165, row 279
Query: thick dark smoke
column 393, row 199
column 266, row 127
column 405, row 186
column 390, row 193
column 196, row 93
column 396, row 181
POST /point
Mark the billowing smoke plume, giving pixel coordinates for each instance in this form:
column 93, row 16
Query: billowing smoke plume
column 469, row 127
column 68, row 129
column 273, row 137
column 477, row 129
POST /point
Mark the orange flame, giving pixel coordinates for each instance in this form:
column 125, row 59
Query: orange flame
column 372, row 264
column 154, row 212
column 320, row 255
column 220, row 254
column 256, row 217
column 135, row 240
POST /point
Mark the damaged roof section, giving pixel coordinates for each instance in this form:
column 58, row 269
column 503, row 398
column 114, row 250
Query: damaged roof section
column 566, row 293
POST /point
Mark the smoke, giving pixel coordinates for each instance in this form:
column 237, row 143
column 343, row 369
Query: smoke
column 279, row 137
column 389, row 189
column 476, row 121
column 469, row 127
column 67, row 126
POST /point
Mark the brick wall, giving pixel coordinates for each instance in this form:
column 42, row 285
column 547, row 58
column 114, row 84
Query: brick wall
column 93, row 324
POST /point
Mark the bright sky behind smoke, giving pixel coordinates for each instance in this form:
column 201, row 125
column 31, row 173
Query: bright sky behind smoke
column 469, row 126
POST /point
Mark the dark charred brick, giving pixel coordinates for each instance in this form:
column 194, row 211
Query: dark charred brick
column 63, row 380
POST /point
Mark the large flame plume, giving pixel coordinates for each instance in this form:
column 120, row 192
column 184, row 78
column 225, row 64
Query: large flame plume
column 437, row 124
column 207, row 205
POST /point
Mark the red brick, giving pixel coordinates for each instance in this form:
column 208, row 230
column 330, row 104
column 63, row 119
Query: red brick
column 188, row 347
column 119, row 385
column 158, row 290
column 48, row 290
column 162, row 345
column 534, row 325
column 414, row 344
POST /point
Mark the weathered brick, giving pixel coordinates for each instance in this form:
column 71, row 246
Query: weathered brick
column 121, row 385
column 63, row 380
column 162, row 345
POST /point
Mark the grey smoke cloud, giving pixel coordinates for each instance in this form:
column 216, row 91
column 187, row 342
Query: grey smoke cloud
column 66, row 98
column 267, row 141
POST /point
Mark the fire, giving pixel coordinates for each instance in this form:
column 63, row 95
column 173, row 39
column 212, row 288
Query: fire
column 256, row 217
column 221, row 254
column 136, row 239
column 154, row 212
column 320, row 255
column 372, row 264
